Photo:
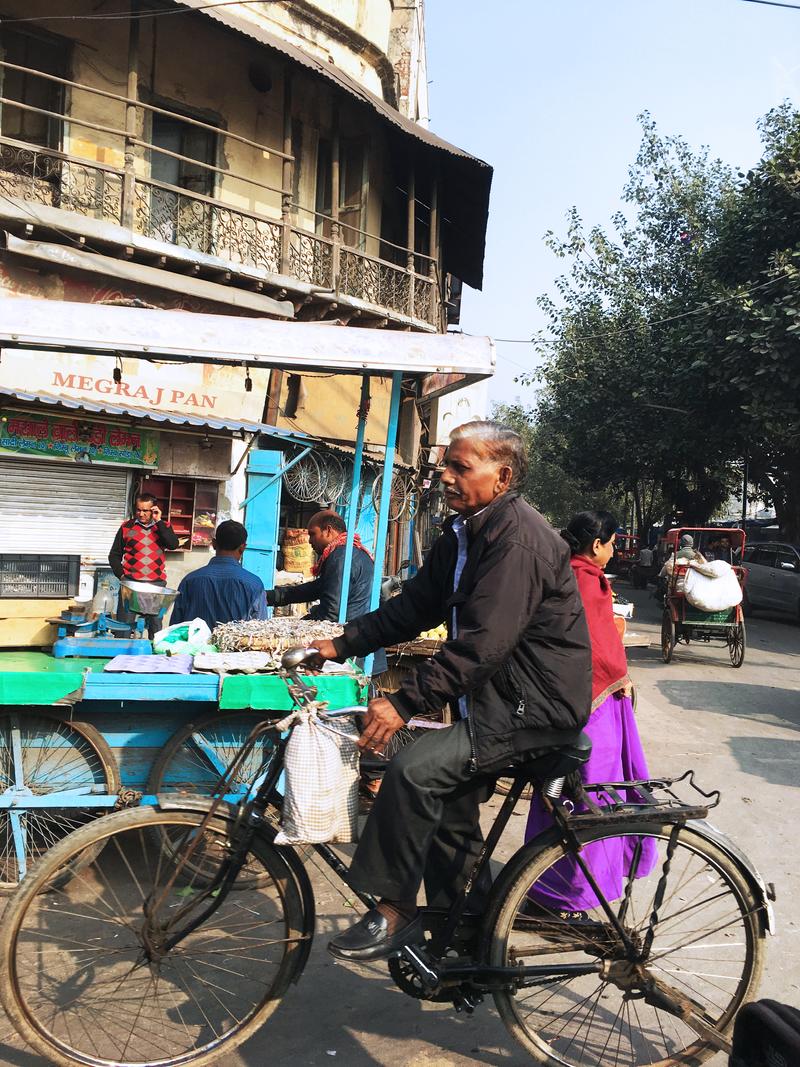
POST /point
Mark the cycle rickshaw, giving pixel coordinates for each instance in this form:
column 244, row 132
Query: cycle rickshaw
column 682, row 622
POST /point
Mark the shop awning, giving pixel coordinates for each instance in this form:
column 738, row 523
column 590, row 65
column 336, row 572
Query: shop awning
column 205, row 422
column 183, row 336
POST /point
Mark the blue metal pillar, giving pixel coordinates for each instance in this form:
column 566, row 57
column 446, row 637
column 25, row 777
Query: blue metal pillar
column 351, row 517
column 386, row 489
column 382, row 525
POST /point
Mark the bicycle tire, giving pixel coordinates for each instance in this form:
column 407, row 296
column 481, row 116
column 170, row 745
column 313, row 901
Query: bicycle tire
column 591, row 1030
column 55, row 755
column 138, row 1013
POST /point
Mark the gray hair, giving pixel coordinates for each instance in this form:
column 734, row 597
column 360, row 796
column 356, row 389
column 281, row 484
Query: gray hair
column 687, row 541
column 503, row 445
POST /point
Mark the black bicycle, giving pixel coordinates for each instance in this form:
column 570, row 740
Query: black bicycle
column 167, row 936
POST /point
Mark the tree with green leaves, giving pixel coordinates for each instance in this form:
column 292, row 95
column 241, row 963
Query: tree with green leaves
column 673, row 337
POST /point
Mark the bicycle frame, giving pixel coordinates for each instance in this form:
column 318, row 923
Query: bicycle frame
column 462, row 975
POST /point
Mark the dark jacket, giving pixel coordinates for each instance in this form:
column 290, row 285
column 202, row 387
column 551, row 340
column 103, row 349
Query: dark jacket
column 522, row 654
column 327, row 587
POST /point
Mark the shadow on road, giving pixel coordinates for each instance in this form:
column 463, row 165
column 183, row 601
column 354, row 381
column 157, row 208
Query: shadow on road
column 773, row 760
column 743, row 700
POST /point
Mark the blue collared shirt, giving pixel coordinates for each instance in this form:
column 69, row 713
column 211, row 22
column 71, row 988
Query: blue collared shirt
column 460, row 530
column 222, row 591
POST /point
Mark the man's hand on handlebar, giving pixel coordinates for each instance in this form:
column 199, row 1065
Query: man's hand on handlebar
column 381, row 723
column 325, row 650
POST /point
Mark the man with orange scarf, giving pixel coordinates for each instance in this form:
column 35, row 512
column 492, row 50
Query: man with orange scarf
column 327, row 533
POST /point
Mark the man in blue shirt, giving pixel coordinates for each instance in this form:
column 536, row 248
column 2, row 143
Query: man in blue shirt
column 222, row 591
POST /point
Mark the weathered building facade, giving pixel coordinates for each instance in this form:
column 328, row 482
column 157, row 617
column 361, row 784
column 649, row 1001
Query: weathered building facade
column 266, row 160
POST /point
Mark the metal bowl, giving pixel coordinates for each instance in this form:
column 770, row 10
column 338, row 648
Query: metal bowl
column 144, row 598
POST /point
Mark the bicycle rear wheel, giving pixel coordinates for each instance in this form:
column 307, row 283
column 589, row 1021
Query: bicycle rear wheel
column 597, row 1012
column 80, row 986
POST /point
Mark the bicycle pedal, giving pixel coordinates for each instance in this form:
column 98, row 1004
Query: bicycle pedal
column 418, row 958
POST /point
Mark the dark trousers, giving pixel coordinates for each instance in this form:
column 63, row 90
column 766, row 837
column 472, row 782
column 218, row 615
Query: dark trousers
column 425, row 822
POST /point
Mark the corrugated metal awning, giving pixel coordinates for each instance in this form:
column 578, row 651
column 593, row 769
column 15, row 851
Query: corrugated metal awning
column 466, row 179
column 190, row 337
column 205, row 422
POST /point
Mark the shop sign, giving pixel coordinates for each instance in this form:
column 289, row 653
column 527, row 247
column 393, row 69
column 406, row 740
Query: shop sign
column 50, row 437
column 172, row 388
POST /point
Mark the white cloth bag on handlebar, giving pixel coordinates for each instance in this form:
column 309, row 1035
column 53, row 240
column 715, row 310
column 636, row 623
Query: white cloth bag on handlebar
column 320, row 801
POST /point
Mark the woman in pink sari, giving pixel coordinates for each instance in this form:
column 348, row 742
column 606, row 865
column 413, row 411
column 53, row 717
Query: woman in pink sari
column 617, row 754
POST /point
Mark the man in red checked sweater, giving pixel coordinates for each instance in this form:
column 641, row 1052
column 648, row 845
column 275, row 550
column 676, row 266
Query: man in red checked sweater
column 138, row 551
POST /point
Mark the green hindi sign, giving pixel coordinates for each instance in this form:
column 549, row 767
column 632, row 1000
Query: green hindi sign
column 50, row 437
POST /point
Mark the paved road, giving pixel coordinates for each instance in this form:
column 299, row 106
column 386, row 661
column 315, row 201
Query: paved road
column 740, row 729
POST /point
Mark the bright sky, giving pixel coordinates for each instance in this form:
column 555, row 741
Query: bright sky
column 547, row 91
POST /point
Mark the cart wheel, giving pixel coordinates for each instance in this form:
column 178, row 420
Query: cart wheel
column 667, row 636
column 737, row 643
column 42, row 754
column 196, row 756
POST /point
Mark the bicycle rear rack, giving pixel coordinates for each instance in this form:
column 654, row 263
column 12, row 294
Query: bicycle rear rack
column 650, row 799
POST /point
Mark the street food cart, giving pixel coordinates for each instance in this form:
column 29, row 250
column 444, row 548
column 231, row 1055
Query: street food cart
column 76, row 741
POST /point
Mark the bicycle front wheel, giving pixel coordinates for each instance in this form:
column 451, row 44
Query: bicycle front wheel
column 86, row 978
column 694, row 938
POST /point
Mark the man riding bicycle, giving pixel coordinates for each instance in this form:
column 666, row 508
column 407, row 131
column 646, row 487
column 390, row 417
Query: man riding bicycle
column 517, row 661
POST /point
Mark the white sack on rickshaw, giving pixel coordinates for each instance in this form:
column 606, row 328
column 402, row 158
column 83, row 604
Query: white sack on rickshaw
column 712, row 586
column 320, row 795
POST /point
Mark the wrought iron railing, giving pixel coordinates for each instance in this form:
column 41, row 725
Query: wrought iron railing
column 207, row 223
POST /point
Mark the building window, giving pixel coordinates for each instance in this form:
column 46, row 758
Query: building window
column 353, row 190
column 38, row 52
column 177, row 218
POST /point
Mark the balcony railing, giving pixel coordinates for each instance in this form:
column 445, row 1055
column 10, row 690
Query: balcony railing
column 210, row 224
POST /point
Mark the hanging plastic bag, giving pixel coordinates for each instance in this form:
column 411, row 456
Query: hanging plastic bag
column 192, row 637
column 320, row 799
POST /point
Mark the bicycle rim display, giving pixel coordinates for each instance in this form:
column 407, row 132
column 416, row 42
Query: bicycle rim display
column 398, row 495
column 336, row 480
column 41, row 754
column 305, row 481
column 77, row 981
column 703, row 948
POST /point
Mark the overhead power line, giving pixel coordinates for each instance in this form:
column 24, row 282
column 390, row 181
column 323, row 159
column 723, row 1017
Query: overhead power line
column 645, row 325
column 130, row 16
column 774, row 3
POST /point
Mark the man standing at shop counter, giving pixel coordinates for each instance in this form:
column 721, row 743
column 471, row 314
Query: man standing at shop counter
column 138, row 551
column 517, row 662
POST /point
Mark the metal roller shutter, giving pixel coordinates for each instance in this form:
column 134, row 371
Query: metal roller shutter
column 53, row 507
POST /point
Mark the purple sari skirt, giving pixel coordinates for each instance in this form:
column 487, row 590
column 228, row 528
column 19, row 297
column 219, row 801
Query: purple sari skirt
column 617, row 756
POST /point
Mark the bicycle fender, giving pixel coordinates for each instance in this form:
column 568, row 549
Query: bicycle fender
column 710, row 832
column 295, row 869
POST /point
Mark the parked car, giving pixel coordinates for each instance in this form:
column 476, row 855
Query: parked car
column 773, row 577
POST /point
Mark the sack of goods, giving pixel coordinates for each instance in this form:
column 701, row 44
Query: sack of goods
column 712, row 586
column 320, row 800
column 298, row 556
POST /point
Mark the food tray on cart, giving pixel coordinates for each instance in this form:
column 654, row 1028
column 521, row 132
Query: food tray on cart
column 420, row 647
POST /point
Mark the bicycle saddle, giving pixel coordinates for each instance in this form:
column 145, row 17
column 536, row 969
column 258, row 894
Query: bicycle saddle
column 557, row 754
